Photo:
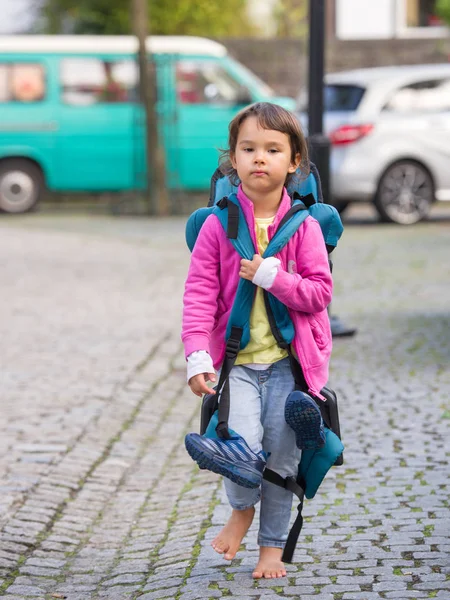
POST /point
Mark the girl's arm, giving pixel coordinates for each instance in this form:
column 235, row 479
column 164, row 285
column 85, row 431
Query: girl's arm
column 201, row 289
column 310, row 288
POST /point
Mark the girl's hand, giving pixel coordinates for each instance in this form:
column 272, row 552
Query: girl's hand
column 249, row 267
column 198, row 384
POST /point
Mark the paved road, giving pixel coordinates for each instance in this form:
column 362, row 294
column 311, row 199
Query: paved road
column 98, row 498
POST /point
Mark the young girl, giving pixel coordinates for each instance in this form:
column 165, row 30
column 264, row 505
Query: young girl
column 266, row 146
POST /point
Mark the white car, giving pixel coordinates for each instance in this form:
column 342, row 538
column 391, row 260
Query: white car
column 390, row 133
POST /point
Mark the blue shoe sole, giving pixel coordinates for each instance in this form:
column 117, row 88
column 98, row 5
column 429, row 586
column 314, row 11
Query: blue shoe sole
column 303, row 416
column 248, row 478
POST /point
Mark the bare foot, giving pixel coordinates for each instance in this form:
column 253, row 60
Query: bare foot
column 270, row 565
column 227, row 542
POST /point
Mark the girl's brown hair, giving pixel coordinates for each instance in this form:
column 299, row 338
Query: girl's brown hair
column 269, row 116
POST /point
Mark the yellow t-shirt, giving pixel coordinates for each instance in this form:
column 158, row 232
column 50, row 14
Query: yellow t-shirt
column 262, row 348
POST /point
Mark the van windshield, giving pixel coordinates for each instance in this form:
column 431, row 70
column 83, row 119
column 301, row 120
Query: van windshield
column 248, row 77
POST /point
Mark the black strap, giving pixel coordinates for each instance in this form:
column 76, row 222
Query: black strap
column 212, row 190
column 291, row 484
column 291, row 541
column 307, row 200
column 315, row 173
column 294, row 209
column 288, row 483
column 223, row 387
column 233, row 221
column 233, row 217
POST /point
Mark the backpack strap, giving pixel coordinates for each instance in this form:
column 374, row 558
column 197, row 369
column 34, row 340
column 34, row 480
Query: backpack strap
column 212, row 188
column 307, row 200
column 291, row 484
column 232, row 219
column 230, row 214
column 232, row 223
column 223, row 387
column 288, row 225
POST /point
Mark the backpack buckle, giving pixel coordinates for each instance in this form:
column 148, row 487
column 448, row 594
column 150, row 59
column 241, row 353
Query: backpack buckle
column 233, row 342
column 232, row 347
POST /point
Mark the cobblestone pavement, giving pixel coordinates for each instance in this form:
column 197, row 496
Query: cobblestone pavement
column 98, row 498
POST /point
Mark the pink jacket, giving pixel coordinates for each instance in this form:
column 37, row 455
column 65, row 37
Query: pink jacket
column 303, row 283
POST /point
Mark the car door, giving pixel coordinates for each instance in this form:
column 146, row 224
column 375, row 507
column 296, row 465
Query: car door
column 97, row 114
column 421, row 113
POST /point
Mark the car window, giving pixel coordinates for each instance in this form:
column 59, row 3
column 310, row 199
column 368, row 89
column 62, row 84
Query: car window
column 336, row 98
column 342, row 97
column 205, row 82
column 423, row 96
column 22, row 82
column 87, row 81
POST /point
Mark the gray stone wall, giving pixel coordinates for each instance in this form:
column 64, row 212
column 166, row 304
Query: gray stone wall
column 283, row 63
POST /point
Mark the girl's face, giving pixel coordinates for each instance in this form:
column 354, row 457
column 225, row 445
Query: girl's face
column 262, row 158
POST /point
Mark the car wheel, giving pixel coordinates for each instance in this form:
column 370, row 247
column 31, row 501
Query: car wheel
column 21, row 185
column 405, row 193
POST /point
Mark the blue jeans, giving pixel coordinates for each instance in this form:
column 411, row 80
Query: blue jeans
column 257, row 400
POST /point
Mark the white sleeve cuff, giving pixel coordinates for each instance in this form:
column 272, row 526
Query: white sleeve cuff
column 199, row 362
column 266, row 273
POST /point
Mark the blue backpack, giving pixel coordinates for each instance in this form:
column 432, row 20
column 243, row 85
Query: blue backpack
column 306, row 201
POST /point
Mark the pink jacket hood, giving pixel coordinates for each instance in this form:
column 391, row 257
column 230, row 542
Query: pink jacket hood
column 303, row 283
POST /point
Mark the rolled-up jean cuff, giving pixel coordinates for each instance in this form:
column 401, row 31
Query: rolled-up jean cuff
column 245, row 506
column 271, row 543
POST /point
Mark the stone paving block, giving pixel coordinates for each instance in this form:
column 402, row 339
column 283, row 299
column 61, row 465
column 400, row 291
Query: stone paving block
column 381, row 519
column 319, row 596
column 160, row 594
column 124, row 579
column 25, row 591
column 12, row 597
column 120, row 592
column 362, row 596
column 341, row 589
column 406, row 594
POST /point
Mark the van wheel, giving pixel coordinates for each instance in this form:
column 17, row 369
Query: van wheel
column 21, row 185
column 405, row 193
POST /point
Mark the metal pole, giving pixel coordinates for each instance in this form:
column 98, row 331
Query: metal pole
column 316, row 65
column 319, row 144
column 156, row 168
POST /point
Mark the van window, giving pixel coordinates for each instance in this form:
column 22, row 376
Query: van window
column 206, row 83
column 87, row 81
column 423, row 96
column 22, row 82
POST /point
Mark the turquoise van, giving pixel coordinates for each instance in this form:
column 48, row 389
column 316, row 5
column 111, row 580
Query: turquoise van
column 70, row 119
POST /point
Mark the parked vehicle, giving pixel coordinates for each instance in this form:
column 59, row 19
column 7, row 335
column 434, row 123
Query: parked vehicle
column 390, row 133
column 70, row 119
